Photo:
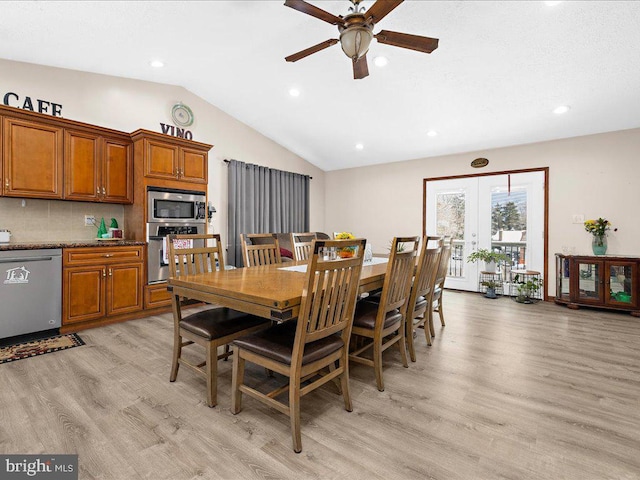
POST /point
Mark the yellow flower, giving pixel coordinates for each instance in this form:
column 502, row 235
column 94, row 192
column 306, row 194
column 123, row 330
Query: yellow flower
column 598, row 227
column 344, row 236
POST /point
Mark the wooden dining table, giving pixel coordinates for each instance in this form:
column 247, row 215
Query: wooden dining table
column 267, row 291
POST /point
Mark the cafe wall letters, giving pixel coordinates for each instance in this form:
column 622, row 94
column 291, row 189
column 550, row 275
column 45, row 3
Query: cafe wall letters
column 12, row 99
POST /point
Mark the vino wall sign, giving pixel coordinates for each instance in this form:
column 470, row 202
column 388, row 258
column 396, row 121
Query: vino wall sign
column 12, row 99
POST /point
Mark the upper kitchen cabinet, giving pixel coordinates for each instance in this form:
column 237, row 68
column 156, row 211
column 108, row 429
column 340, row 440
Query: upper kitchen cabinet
column 32, row 159
column 98, row 168
column 174, row 160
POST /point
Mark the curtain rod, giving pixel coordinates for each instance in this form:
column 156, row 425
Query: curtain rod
column 227, row 161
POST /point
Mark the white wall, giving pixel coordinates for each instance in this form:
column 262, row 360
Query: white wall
column 127, row 105
column 596, row 175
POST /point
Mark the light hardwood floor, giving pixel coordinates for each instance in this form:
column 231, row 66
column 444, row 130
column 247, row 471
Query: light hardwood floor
column 507, row 391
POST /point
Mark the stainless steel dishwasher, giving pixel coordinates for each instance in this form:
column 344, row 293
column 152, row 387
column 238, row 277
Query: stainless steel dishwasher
column 30, row 291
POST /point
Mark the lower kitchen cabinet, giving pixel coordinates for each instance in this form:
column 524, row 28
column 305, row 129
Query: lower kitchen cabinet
column 101, row 284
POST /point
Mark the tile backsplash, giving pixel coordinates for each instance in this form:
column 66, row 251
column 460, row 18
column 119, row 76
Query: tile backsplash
column 54, row 220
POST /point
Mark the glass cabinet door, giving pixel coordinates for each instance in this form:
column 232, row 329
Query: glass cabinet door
column 621, row 278
column 590, row 282
column 562, row 277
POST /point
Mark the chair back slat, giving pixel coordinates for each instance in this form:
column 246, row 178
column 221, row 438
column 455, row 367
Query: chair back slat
column 260, row 249
column 204, row 254
column 329, row 297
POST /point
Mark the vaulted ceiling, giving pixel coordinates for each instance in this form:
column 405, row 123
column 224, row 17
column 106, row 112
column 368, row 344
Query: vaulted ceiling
column 500, row 70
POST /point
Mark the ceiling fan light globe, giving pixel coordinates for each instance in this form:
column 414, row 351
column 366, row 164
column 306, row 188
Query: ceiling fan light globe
column 355, row 41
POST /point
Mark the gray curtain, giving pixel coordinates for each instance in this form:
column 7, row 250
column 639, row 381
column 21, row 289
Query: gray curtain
column 264, row 200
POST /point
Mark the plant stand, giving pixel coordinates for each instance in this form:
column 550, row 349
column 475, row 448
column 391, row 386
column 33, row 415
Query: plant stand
column 491, row 277
column 526, row 286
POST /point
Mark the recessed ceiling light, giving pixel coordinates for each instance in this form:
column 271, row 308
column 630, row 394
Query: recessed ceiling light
column 561, row 109
column 359, row 146
column 552, row 3
column 294, row 92
column 432, row 133
column 380, row 61
column 157, row 64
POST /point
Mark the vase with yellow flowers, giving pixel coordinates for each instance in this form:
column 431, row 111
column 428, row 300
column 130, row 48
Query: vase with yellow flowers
column 346, row 252
column 598, row 229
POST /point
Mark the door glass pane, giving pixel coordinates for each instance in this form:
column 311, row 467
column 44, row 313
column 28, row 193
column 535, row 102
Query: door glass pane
column 620, row 282
column 509, row 224
column 589, row 280
column 450, row 211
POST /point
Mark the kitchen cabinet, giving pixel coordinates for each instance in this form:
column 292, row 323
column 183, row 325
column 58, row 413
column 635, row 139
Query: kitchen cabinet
column 98, row 168
column 169, row 158
column 156, row 295
column 32, row 159
column 603, row 281
column 101, row 284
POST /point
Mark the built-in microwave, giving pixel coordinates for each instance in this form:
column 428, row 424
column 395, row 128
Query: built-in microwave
column 176, row 206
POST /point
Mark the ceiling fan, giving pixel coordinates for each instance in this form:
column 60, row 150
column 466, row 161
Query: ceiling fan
column 356, row 32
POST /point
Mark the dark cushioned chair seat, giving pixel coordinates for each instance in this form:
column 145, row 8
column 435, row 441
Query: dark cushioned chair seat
column 366, row 312
column 220, row 322
column 277, row 343
column 420, row 303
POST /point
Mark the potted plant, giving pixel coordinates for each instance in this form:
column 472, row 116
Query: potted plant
column 489, row 257
column 527, row 290
column 491, row 286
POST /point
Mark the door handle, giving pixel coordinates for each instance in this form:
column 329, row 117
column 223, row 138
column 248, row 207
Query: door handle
column 25, row 259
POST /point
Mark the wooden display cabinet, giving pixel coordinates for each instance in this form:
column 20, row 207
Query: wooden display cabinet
column 604, row 281
column 101, row 283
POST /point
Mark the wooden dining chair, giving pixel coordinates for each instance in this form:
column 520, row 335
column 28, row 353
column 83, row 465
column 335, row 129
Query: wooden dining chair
column 307, row 348
column 211, row 328
column 422, row 292
column 260, row 249
column 382, row 324
column 301, row 245
column 438, row 290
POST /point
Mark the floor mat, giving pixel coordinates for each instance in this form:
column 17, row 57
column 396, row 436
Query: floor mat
column 33, row 348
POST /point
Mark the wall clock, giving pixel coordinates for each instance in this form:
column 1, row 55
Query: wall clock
column 182, row 115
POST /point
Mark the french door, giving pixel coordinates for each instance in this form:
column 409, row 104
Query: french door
column 501, row 212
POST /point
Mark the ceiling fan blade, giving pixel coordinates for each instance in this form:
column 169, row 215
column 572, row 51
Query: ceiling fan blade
column 314, row 11
column 381, row 9
column 360, row 68
column 308, row 51
column 404, row 40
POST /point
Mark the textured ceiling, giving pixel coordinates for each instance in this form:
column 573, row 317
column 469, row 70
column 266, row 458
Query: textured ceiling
column 500, row 70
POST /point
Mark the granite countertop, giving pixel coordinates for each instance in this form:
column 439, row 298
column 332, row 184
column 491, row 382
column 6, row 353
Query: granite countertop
column 68, row 244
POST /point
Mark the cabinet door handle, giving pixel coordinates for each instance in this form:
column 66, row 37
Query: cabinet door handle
column 98, row 191
column 110, row 272
column 104, row 192
column 6, row 183
column 104, row 273
column 107, row 255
